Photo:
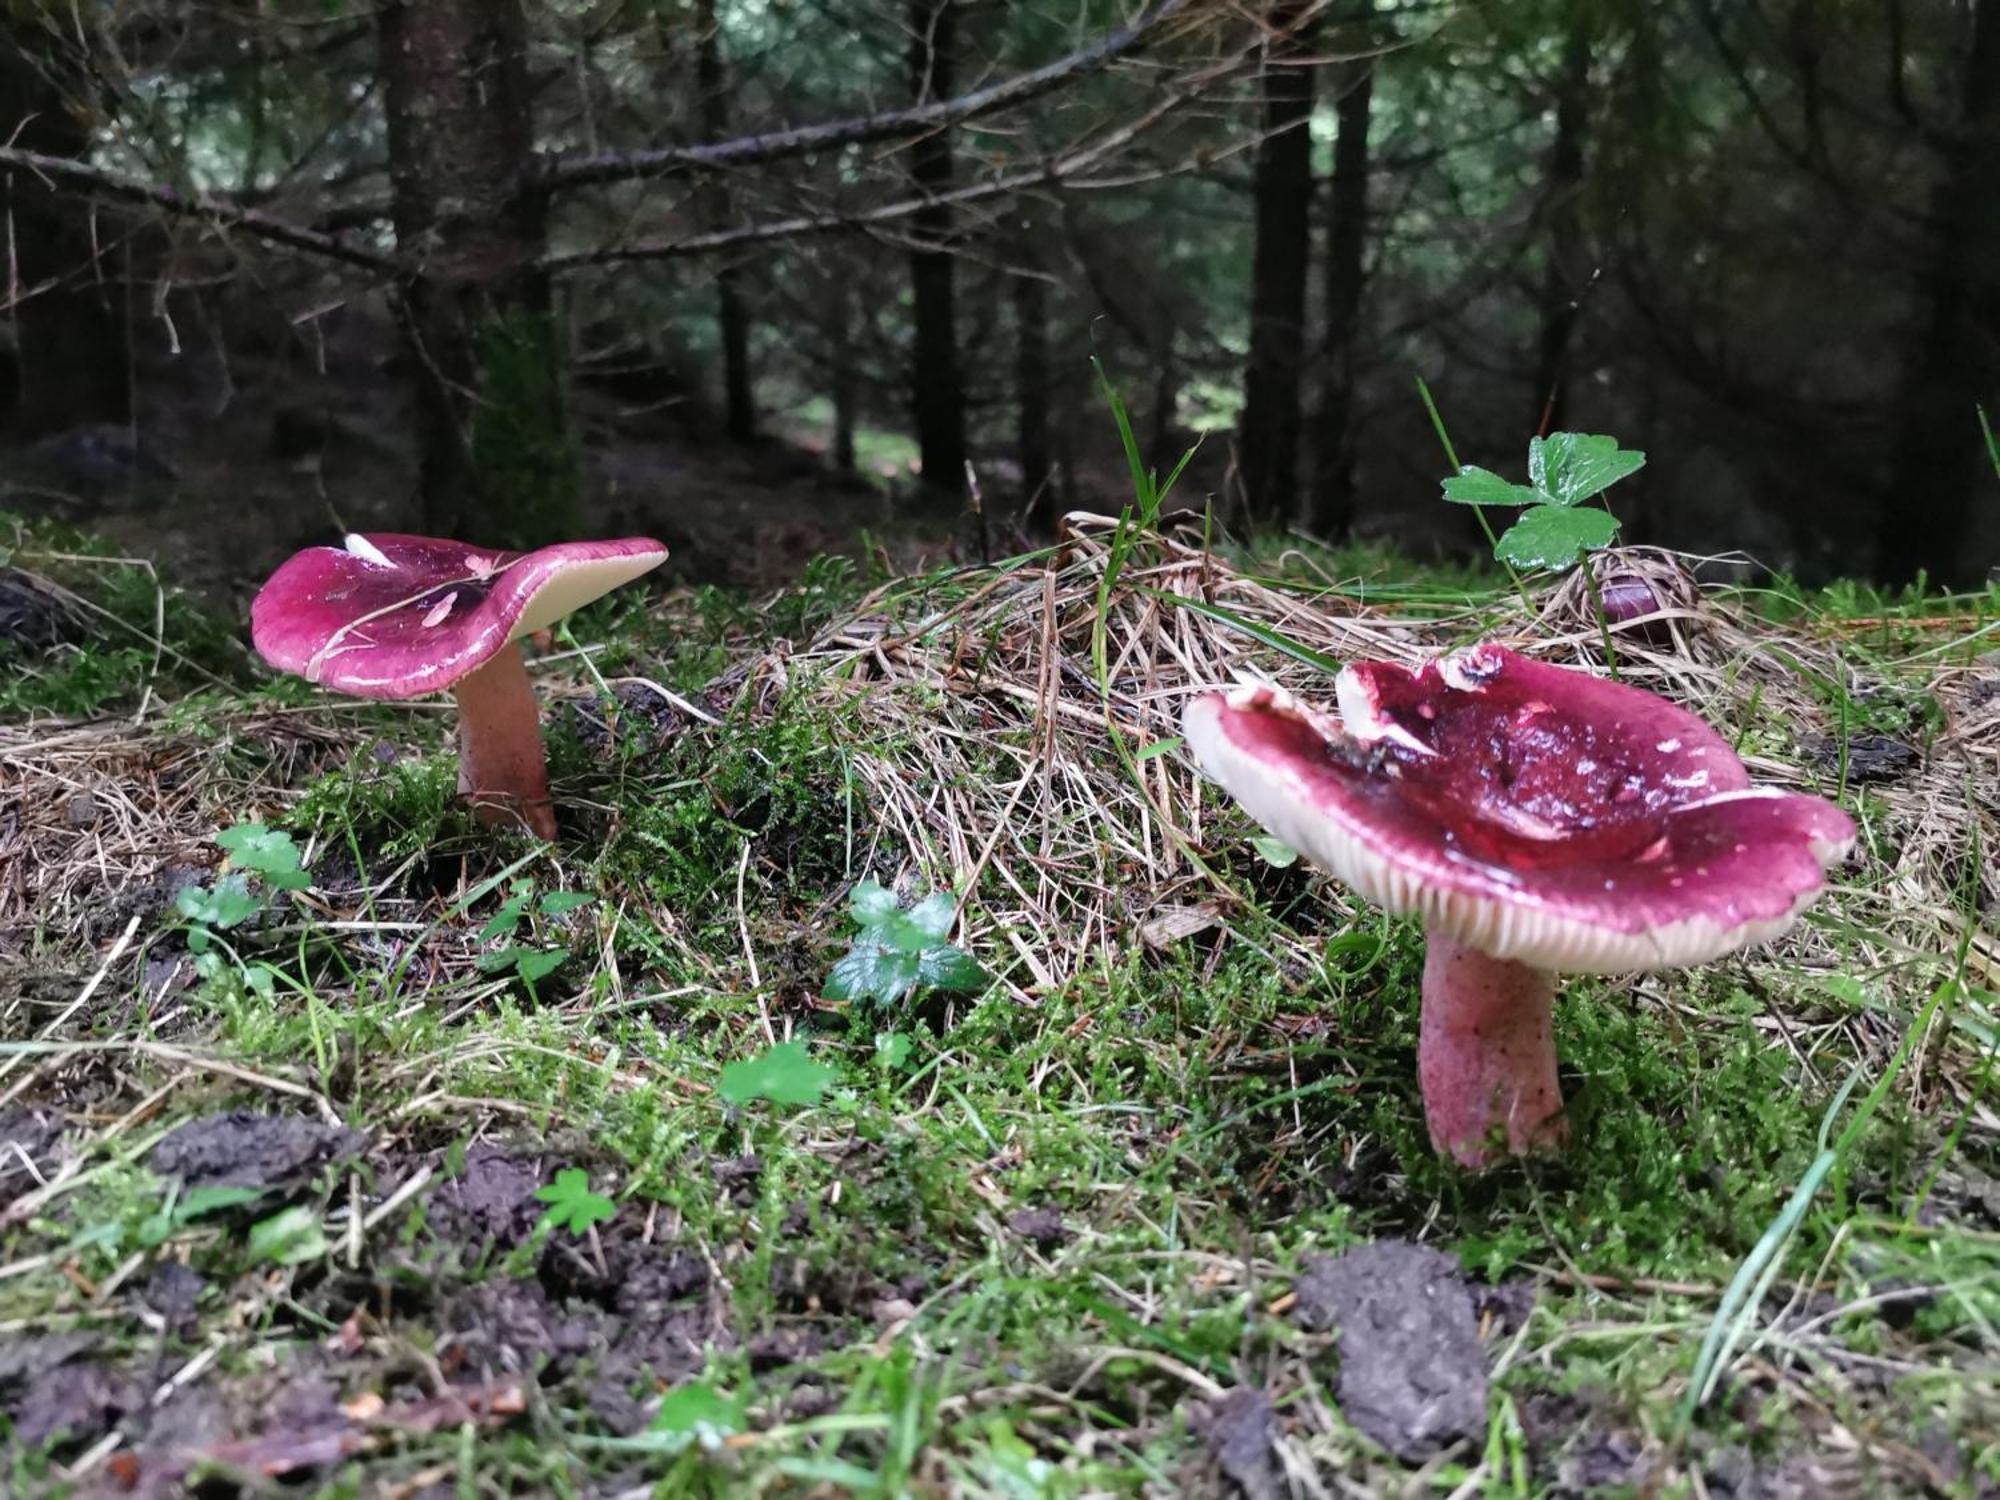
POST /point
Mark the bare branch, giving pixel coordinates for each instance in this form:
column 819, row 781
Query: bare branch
column 64, row 174
column 564, row 172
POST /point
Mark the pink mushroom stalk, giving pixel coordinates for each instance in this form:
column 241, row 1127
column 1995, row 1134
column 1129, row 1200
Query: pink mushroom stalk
column 392, row 616
column 1539, row 820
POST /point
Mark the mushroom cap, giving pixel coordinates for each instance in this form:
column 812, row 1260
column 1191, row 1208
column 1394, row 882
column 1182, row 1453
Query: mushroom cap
column 394, row 616
column 1535, row 813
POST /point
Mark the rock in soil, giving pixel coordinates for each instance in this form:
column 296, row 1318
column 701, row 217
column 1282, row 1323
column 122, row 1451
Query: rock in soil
column 1241, row 1431
column 242, row 1149
column 1870, row 757
column 1412, row 1370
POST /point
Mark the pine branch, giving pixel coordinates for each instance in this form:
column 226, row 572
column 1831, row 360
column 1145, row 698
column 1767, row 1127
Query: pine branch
column 564, row 172
column 65, row 174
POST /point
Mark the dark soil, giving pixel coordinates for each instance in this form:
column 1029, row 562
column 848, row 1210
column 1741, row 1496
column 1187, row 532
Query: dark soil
column 1412, row 1370
column 241, row 1149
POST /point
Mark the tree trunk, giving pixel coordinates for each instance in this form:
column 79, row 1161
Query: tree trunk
column 1268, row 441
column 1941, row 470
column 1346, row 263
column 845, row 392
column 740, row 403
column 495, row 449
column 1565, row 275
column 1162, row 431
column 937, row 384
column 73, row 363
column 1031, row 377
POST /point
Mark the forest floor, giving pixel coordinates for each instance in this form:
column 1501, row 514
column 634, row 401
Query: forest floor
column 477, row 1166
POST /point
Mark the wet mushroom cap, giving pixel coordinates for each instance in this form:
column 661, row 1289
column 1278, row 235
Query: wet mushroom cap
column 393, row 616
column 1535, row 813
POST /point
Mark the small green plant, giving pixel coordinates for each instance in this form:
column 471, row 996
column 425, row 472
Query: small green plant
column 290, row 1237
column 782, row 1074
column 694, row 1414
column 208, row 911
column 179, row 1210
column 898, row 953
column 532, row 962
column 1555, row 529
column 571, row 1203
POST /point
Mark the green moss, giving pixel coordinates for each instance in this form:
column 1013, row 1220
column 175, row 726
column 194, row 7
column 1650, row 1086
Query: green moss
column 524, row 457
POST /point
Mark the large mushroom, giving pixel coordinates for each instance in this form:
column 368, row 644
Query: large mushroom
column 391, row 616
column 1539, row 820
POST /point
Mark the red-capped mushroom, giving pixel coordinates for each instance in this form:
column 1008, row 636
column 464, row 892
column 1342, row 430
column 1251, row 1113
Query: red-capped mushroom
column 1539, row 820
column 391, row 616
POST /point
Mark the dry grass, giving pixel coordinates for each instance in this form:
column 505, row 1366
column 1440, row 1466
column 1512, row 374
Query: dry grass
column 1094, row 840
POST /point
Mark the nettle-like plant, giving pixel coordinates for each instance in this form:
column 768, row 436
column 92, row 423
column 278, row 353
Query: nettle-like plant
column 1557, row 528
column 898, row 953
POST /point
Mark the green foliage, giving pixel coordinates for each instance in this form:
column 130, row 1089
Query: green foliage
column 1565, row 469
column 530, row 961
column 571, row 1203
column 1549, row 537
column 782, row 1074
column 694, row 1415
column 207, row 911
column 1275, row 852
column 290, row 1237
column 523, row 454
column 899, row 953
column 775, row 776
column 146, row 1226
column 267, row 852
column 102, row 628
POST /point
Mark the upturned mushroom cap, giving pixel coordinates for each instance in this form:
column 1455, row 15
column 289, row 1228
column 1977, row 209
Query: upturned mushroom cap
column 393, row 616
column 1535, row 813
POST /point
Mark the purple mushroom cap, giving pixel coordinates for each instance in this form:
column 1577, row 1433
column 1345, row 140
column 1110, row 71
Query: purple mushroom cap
column 1535, row 813
column 394, row 616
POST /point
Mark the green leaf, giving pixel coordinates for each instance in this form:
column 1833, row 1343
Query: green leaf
column 508, row 917
column 1476, row 486
column 289, row 1237
column 695, row 1413
column 1278, row 854
column 267, row 852
column 931, row 917
column 892, row 1049
column 197, row 1203
column 559, row 903
column 948, row 968
column 1569, row 467
column 896, row 952
column 494, row 960
column 872, row 971
column 1549, row 536
column 571, row 1203
column 534, row 964
column 1159, row 747
column 228, row 903
column 784, row 1074
column 871, row 903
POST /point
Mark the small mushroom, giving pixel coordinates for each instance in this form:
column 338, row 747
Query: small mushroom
column 1539, row 820
column 390, row 616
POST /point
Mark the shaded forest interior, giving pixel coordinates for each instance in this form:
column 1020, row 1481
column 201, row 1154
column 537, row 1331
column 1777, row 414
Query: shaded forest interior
column 757, row 277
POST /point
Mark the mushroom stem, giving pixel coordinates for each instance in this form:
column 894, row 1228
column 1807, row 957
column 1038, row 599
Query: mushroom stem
column 1487, row 1057
column 500, row 764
